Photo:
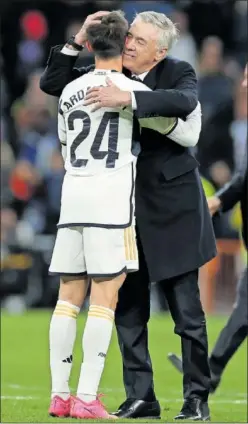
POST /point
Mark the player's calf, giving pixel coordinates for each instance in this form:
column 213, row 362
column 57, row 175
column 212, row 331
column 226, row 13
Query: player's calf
column 62, row 337
column 97, row 336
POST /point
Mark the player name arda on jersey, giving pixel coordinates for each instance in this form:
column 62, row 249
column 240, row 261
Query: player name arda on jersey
column 80, row 94
column 74, row 99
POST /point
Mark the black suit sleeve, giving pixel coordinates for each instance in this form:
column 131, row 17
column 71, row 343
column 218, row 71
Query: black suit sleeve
column 231, row 193
column 59, row 72
column 177, row 102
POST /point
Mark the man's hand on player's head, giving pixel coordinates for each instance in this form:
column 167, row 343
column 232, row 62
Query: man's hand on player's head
column 110, row 96
column 93, row 19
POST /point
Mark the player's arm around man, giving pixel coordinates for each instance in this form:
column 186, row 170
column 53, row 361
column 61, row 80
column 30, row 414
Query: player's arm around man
column 185, row 132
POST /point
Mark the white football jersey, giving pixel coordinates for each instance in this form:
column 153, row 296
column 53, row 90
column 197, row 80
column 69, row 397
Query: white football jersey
column 99, row 152
column 99, row 141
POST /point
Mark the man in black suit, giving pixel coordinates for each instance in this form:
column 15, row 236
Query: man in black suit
column 236, row 329
column 174, row 230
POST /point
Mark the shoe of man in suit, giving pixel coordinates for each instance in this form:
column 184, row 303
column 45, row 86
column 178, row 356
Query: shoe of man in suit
column 135, row 408
column 177, row 363
column 194, row 409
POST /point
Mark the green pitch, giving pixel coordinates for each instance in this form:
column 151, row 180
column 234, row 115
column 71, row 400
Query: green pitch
column 25, row 371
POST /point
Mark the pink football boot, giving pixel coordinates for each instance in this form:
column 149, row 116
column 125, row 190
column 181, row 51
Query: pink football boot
column 89, row 410
column 60, row 407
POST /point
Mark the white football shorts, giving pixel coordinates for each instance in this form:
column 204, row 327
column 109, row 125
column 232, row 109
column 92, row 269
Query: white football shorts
column 94, row 251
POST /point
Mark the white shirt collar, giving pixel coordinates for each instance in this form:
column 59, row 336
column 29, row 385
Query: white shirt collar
column 141, row 76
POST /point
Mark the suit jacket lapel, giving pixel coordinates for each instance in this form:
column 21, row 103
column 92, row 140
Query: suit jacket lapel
column 152, row 78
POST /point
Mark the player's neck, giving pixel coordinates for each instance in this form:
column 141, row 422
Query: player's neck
column 114, row 64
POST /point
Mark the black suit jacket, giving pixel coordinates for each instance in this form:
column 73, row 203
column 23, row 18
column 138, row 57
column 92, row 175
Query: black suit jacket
column 236, row 191
column 173, row 220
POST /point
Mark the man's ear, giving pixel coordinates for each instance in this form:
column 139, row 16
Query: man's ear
column 160, row 54
column 88, row 46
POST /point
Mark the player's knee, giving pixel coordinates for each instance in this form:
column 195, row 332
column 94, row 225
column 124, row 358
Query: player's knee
column 105, row 292
column 73, row 290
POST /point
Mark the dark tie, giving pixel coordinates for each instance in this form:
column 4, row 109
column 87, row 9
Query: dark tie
column 133, row 77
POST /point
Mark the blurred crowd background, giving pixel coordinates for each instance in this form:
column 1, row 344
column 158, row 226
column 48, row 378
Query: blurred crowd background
column 213, row 40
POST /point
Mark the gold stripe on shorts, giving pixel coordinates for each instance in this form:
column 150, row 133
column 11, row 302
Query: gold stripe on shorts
column 130, row 244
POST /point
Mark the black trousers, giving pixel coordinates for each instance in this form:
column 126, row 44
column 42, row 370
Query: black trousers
column 235, row 331
column 132, row 315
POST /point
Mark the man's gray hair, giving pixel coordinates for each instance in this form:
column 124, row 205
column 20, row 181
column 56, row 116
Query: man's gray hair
column 169, row 33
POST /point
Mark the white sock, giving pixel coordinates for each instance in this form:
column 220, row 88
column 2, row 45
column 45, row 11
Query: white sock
column 62, row 337
column 96, row 340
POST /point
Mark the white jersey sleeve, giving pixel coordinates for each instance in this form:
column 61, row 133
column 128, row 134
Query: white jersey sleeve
column 187, row 133
column 160, row 124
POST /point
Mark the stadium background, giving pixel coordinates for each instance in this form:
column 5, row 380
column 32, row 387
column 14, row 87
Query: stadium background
column 214, row 40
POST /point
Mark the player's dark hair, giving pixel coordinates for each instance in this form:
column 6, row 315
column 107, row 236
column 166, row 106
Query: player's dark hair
column 107, row 38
